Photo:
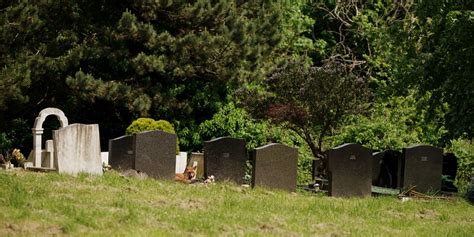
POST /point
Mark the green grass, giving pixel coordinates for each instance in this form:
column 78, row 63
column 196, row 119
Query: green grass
column 55, row 204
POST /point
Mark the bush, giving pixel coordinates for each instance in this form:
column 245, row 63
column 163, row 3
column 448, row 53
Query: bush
column 235, row 122
column 149, row 124
column 464, row 151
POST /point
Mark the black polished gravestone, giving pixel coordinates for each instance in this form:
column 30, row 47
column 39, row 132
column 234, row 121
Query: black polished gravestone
column 225, row 158
column 450, row 167
column 275, row 166
column 152, row 152
column 386, row 168
column 350, row 171
column 155, row 154
column 121, row 155
column 422, row 167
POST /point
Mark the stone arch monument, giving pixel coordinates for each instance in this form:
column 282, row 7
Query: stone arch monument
column 38, row 131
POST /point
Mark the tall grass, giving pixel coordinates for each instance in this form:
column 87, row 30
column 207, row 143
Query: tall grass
column 37, row 204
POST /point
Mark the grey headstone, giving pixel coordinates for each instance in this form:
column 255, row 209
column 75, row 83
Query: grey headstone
column 275, row 166
column 77, row 149
column 155, row 154
column 121, row 155
column 350, row 171
column 386, row 169
column 423, row 166
column 225, row 158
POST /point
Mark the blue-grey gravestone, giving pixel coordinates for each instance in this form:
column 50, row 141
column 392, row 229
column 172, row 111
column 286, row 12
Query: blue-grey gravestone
column 225, row 158
column 350, row 171
column 423, row 166
column 275, row 166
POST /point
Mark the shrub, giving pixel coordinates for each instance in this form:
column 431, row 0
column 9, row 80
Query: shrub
column 464, row 151
column 149, row 124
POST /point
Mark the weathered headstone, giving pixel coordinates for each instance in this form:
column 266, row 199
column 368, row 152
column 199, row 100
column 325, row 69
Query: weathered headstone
column 199, row 158
column 121, row 155
column 225, row 158
column 275, row 166
column 386, row 168
column 155, row 154
column 77, row 149
column 423, row 166
column 350, row 171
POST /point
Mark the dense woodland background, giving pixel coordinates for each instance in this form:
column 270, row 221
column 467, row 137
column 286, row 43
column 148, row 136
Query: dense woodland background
column 311, row 74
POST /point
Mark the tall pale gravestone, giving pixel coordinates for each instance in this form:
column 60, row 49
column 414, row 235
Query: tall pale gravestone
column 275, row 166
column 225, row 158
column 350, row 171
column 181, row 162
column 152, row 152
column 77, row 149
column 423, row 166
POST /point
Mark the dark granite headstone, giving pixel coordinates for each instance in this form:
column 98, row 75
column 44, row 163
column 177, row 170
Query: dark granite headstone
column 155, row 154
column 225, row 158
column 121, row 155
column 350, row 171
column 450, row 167
column 275, row 166
column 423, row 167
column 386, row 168
column 152, row 152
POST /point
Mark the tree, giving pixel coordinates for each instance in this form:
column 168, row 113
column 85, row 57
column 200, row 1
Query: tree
column 107, row 62
column 309, row 101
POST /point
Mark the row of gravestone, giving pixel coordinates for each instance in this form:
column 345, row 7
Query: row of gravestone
column 353, row 169
column 152, row 152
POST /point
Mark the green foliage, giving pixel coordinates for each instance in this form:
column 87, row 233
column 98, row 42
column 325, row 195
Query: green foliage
column 235, row 122
column 309, row 101
column 149, row 124
column 394, row 123
column 464, row 151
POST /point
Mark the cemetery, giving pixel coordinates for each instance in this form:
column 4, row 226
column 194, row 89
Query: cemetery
column 354, row 171
column 236, row 118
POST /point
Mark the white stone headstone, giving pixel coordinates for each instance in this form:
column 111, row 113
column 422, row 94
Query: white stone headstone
column 104, row 156
column 77, row 149
column 181, row 161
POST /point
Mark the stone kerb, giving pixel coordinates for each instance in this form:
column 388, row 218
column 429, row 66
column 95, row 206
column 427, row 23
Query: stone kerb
column 38, row 131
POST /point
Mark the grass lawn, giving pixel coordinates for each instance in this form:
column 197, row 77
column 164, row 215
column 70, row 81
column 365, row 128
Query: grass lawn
column 55, row 204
